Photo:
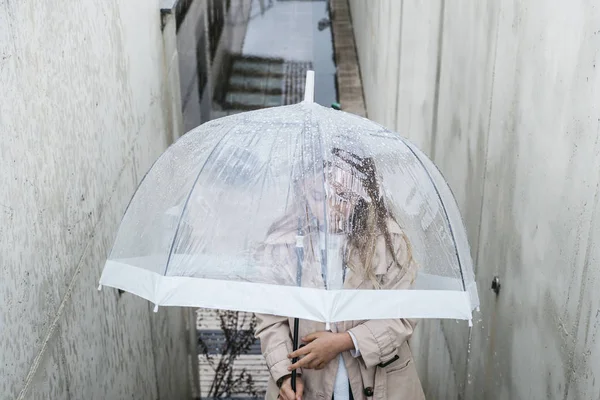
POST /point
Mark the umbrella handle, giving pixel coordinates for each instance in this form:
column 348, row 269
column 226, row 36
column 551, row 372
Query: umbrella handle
column 300, row 256
column 295, row 360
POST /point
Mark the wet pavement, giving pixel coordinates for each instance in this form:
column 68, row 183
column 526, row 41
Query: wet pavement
column 290, row 30
column 283, row 40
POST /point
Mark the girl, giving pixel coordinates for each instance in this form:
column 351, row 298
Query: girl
column 368, row 249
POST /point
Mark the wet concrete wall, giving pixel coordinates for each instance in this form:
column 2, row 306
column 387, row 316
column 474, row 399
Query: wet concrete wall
column 201, row 72
column 89, row 99
column 505, row 97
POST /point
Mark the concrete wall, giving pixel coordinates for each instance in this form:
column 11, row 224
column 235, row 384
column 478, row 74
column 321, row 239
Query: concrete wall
column 87, row 102
column 231, row 41
column 192, row 47
column 194, row 53
column 505, row 97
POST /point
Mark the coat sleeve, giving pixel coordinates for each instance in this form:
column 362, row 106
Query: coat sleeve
column 275, row 342
column 274, row 331
column 379, row 341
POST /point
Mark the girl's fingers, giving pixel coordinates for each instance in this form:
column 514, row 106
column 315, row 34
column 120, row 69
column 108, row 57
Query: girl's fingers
column 302, row 351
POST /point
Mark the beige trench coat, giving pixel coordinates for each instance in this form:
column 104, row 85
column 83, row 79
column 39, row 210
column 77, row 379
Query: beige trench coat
column 385, row 369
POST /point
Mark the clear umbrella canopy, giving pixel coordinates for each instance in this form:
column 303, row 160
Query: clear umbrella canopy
column 298, row 211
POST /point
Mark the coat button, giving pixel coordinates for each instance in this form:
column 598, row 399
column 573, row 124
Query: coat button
column 368, row 391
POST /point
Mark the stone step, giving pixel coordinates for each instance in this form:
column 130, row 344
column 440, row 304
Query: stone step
column 255, row 366
column 248, row 67
column 256, row 84
column 251, row 101
column 215, row 341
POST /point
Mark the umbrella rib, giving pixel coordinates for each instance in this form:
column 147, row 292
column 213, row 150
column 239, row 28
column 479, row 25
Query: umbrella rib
column 460, row 267
column 325, row 222
column 292, row 169
column 138, row 188
column 187, row 200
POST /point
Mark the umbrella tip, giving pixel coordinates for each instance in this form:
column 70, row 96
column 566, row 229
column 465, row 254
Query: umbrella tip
column 309, row 89
column 155, row 308
column 99, row 287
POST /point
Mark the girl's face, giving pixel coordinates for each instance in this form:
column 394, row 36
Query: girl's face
column 339, row 197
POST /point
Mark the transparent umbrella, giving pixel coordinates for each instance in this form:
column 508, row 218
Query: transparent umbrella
column 296, row 211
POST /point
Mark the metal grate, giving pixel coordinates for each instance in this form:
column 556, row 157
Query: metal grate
column 215, row 340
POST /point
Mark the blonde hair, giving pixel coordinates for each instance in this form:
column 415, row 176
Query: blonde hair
column 365, row 244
